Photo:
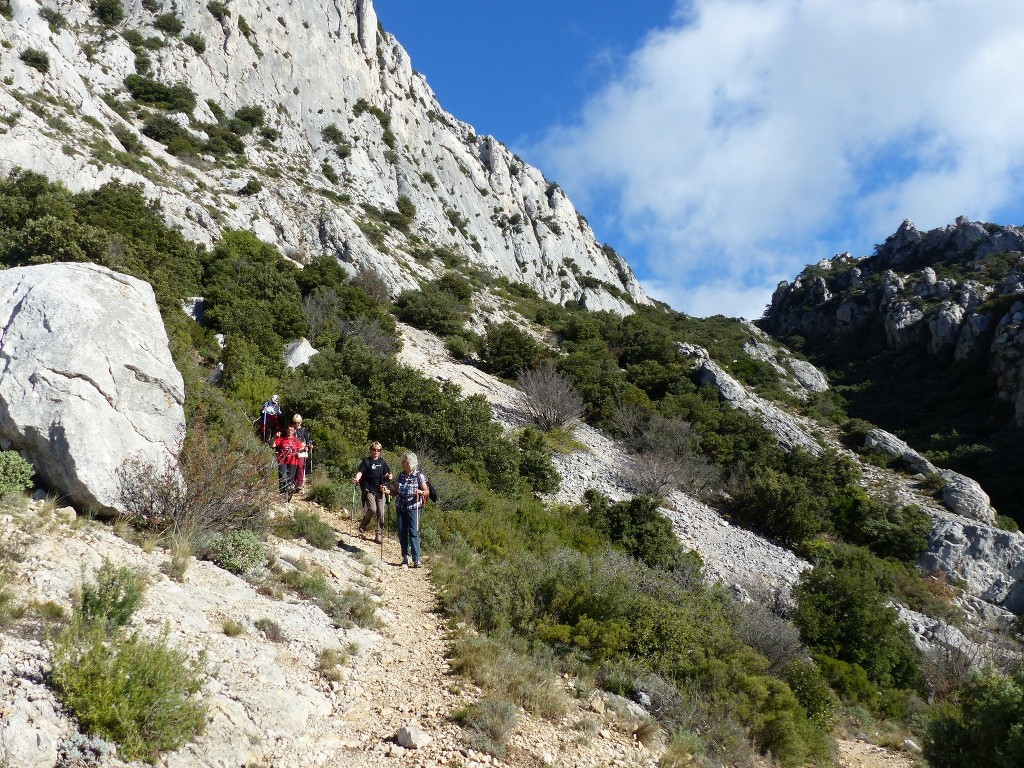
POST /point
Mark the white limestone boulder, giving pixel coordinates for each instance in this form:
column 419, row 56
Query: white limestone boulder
column 964, row 496
column 86, row 378
column 299, row 352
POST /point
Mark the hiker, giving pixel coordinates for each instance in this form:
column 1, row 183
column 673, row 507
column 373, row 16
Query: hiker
column 288, row 449
column 306, row 454
column 412, row 492
column 270, row 419
column 372, row 475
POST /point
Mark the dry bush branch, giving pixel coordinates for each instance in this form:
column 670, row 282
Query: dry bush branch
column 548, row 397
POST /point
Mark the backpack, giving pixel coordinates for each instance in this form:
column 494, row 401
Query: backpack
column 431, row 489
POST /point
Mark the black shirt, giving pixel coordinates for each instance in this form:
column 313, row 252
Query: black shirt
column 373, row 474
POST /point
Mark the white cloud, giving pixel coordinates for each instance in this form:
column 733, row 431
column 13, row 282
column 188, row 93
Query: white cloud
column 750, row 132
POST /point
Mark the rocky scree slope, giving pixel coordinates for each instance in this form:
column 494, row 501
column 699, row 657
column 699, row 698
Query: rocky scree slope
column 340, row 146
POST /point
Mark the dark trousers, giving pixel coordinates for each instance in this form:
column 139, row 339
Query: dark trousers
column 285, row 475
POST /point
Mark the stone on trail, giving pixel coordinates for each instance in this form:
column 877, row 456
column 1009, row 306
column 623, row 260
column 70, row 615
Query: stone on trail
column 412, row 737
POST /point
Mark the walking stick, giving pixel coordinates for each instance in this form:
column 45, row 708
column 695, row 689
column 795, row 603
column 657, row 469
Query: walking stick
column 387, row 510
column 352, row 506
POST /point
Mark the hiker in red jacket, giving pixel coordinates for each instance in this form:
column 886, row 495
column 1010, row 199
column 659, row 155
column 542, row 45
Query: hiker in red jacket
column 288, row 449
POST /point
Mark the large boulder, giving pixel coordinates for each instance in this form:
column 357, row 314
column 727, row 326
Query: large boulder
column 86, row 378
column 886, row 442
column 964, row 496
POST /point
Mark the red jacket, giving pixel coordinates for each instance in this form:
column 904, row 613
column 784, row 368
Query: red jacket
column 288, row 450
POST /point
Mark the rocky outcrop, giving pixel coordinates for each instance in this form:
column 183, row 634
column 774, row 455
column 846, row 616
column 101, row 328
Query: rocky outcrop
column 799, row 377
column 885, row 442
column 86, row 378
column 988, row 560
column 898, row 295
column 351, row 134
column 963, row 496
column 299, row 352
column 787, row 428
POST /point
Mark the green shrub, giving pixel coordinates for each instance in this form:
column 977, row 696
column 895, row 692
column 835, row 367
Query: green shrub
column 218, row 10
column 175, row 98
column 54, row 18
column 36, row 59
column 169, row 23
column 254, row 116
column 328, row 494
column 110, row 12
column 270, row 629
column 15, row 474
column 252, row 187
column 507, row 349
column 842, row 613
column 195, row 41
column 232, row 628
column 528, row 681
column 6, row 9
column 535, row 465
column 112, row 599
column 983, row 727
column 142, row 694
column 308, row 526
column 237, row 551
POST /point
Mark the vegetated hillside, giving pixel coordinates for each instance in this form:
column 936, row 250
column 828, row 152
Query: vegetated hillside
column 603, row 590
column 925, row 339
column 301, row 134
column 302, row 122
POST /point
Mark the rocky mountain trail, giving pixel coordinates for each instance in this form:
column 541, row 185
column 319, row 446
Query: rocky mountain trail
column 271, row 701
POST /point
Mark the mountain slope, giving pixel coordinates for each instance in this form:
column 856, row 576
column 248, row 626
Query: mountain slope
column 926, row 339
column 340, row 147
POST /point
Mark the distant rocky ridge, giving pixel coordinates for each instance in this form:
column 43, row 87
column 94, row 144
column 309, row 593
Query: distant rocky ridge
column 957, row 290
column 351, row 134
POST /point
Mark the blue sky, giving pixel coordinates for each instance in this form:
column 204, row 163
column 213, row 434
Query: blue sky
column 720, row 145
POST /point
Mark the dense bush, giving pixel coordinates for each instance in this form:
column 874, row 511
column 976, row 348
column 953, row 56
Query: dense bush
column 15, row 474
column 308, row 526
column 237, row 551
column 507, row 349
column 842, row 613
column 36, row 59
column 110, row 12
column 983, row 727
column 169, row 23
column 142, row 694
column 175, row 98
column 441, row 307
column 195, row 41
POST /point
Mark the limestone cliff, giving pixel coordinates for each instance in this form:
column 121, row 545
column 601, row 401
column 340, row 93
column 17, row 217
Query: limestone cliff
column 341, row 146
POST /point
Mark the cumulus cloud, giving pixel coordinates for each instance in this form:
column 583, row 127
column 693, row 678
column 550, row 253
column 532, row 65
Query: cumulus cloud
column 749, row 134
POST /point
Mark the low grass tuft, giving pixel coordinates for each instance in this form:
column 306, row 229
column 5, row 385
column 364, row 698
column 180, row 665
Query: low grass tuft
column 489, row 721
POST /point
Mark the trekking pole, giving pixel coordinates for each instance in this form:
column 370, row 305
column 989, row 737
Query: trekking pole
column 387, row 507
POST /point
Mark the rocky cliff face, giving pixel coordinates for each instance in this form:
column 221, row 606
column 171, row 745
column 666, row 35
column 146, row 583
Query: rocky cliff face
column 340, row 148
column 957, row 291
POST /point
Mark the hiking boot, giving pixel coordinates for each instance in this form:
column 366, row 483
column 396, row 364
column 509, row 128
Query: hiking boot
column 405, row 562
column 416, row 564
column 378, row 540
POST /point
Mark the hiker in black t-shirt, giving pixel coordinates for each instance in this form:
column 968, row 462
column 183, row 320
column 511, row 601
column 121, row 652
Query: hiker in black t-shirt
column 372, row 476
